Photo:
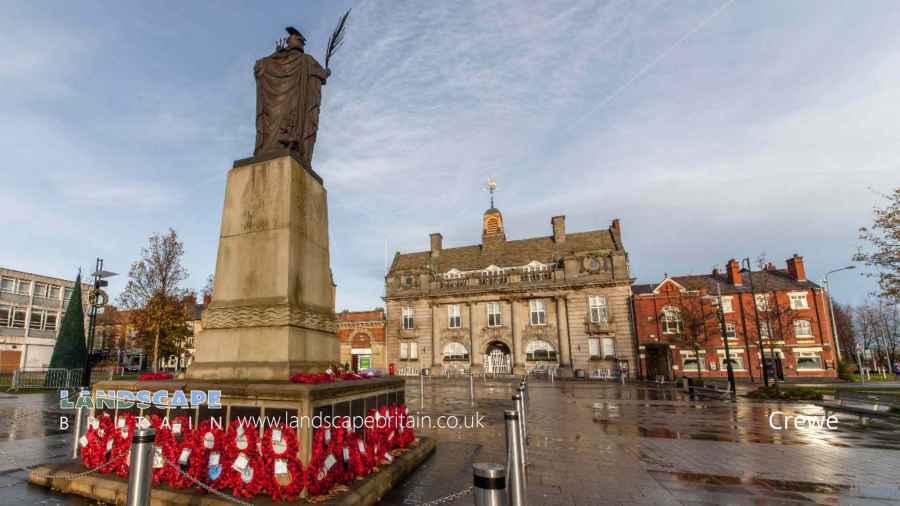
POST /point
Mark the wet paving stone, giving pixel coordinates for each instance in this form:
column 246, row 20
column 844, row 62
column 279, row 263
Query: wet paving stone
column 589, row 443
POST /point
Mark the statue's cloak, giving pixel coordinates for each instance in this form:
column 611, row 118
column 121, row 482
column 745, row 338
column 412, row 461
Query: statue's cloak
column 288, row 94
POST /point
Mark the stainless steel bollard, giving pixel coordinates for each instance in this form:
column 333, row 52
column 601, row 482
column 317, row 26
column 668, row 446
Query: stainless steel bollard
column 523, row 414
column 489, row 484
column 518, row 403
column 515, row 482
column 421, row 392
column 472, row 390
column 141, row 469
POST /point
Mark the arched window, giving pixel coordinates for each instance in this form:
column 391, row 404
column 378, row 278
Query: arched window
column 671, row 320
column 539, row 350
column 455, row 352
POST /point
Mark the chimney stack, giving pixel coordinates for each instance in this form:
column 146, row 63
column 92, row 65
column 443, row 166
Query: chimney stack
column 559, row 228
column 207, row 298
column 437, row 243
column 795, row 268
column 734, row 273
column 616, row 227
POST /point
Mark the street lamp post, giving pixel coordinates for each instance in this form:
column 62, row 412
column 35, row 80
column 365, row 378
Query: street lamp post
column 98, row 299
column 834, row 330
column 717, row 301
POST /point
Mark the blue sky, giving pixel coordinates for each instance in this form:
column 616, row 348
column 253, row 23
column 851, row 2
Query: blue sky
column 711, row 129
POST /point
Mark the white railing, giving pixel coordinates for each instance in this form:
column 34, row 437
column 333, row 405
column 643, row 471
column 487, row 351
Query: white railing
column 45, row 378
column 408, row 371
column 605, row 374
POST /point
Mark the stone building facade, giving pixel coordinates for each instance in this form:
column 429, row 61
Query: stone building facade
column 31, row 311
column 361, row 334
column 776, row 314
column 559, row 301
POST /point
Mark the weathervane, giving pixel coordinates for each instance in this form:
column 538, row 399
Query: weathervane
column 491, row 186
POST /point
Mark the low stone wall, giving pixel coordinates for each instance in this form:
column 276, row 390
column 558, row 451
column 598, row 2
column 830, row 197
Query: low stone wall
column 112, row 489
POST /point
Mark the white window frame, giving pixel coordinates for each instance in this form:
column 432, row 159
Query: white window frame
column 5, row 315
column 765, row 329
column 730, row 330
column 594, row 347
column 798, row 300
column 413, row 350
column 495, row 314
column 608, row 348
column 727, row 305
column 23, row 287
column 39, row 289
column 8, row 284
column 806, row 323
column 542, row 346
column 537, row 312
column 67, row 294
column 762, row 302
column 23, row 321
column 737, row 361
column 408, row 316
column 693, row 357
column 54, row 291
column 599, row 309
column 404, row 350
column 41, row 314
column 454, row 316
column 672, row 323
column 458, row 346
column 808, row 354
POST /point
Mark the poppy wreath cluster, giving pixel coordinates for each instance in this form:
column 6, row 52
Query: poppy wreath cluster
column 208, row 461
column 388, row 432
column 177, row 448
column 283, row 470
column 322, row 470
column 154, row 376
column 97, row 443
column 351, row 452
column 245, row 475
column 163, row 436
column 122, row 434
column 312, row 378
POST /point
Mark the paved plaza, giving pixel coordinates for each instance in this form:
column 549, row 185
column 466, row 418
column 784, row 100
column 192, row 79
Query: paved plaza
column 590, row 443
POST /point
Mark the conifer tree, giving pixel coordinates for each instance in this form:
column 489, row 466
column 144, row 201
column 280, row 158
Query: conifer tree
column 70, row 351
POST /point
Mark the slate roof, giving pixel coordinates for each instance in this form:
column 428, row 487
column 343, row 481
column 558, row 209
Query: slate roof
column 507, row 254
column 768, row 280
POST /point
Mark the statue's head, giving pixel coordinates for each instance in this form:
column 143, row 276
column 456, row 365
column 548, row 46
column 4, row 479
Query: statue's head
column 295, row 39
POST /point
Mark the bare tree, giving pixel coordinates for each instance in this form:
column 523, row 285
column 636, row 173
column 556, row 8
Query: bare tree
column 884, row 237
column 843, row 316
column 697, row 320
column 210, row 284
column 153, row 294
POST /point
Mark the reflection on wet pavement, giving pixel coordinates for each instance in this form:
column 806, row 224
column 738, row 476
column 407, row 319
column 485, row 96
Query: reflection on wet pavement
column 595, row 443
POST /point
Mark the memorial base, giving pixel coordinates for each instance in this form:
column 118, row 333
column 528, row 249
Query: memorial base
column 110, row 489
column 273, row 400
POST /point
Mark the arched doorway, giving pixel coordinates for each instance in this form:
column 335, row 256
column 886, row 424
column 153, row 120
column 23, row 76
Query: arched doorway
column 497, row 358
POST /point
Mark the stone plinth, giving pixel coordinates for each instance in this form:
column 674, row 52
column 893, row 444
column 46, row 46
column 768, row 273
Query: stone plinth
column 272, row 308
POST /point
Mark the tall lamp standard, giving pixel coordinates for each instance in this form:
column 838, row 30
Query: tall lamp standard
column 98, row 298
column 717, row 302
column 834, row 330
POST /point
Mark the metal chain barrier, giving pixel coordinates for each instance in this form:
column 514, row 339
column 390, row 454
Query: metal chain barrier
column 204, row 486
column 63, row 476
column 444, row 500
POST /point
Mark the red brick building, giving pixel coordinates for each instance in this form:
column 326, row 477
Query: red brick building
column 362, row 338
column 773, row 313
